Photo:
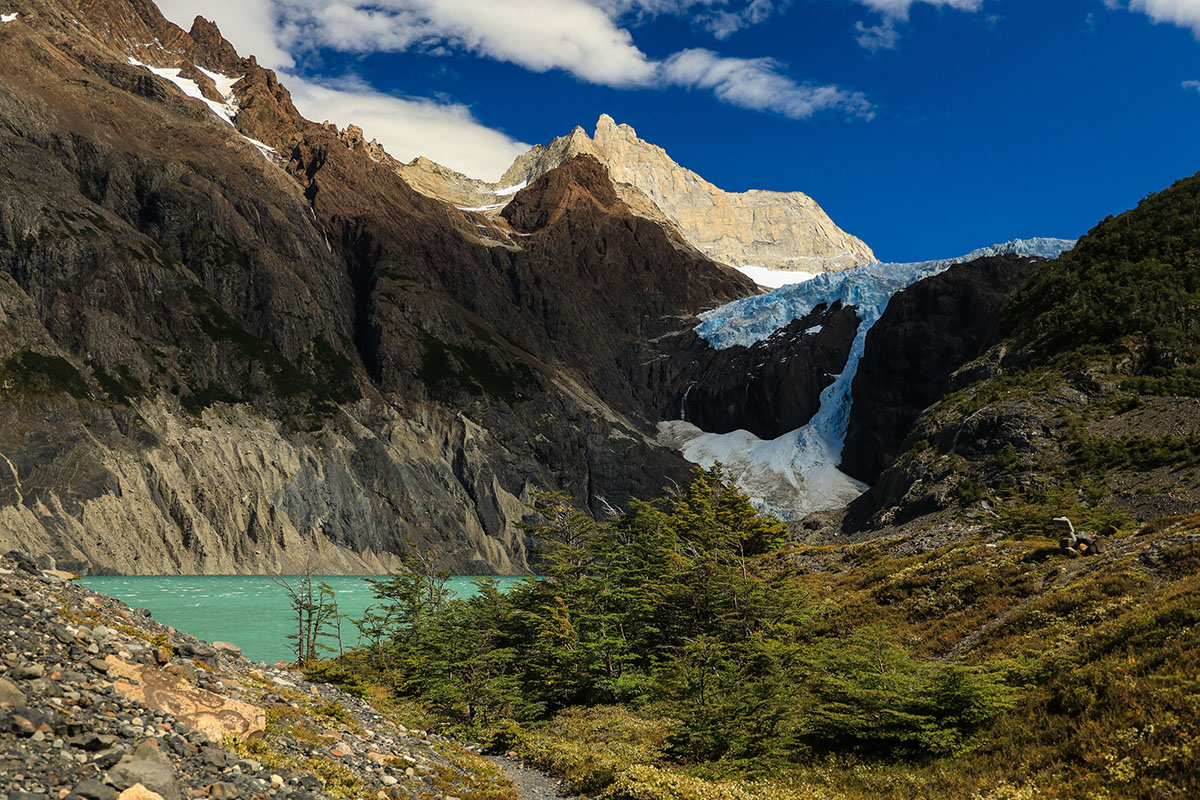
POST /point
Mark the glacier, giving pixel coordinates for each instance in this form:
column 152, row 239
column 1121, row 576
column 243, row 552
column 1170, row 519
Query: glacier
column 797, row 474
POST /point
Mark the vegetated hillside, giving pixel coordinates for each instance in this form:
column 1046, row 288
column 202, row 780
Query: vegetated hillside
column 1090, row 403
column 226, row 355
column 684, row 650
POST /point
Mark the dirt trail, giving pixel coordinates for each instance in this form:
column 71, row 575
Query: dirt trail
column 533, row 784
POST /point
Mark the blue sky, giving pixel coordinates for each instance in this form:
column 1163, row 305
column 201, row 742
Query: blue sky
column 926, row 127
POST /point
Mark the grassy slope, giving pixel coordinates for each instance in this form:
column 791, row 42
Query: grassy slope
column 1101, row 352
column 1105, row 652
column 1088, row 405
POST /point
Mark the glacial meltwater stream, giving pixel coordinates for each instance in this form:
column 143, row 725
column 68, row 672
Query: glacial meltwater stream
column 251, row 611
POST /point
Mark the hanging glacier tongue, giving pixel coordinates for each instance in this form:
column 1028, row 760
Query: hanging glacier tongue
column 797, row 473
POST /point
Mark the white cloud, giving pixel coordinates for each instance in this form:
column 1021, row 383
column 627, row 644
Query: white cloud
column 540, row 35
column 885, row 35
column 721, row 18
column 757, row 84
column 409, row 127
column 1184, row 13
column 581, row 37
column 1192, row 85
column 898, row 9
column 723, row 24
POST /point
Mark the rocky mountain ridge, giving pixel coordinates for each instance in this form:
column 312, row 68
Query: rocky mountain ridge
column 777, row 230
column 235, row 339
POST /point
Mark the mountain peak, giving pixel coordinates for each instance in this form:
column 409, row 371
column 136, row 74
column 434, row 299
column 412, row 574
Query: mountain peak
column 607, row 127
column 777, row 230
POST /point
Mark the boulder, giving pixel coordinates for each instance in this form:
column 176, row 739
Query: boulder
column 228, row 649
column 11, row 695
column 151, row 774
column 139, row 792
column 197, row 708
column 23, row 562
column 92, row 789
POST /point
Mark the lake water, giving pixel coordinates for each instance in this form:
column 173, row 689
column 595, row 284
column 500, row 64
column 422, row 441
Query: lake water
column 252, row 611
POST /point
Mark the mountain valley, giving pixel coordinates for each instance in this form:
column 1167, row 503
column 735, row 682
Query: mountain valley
column 237, row 340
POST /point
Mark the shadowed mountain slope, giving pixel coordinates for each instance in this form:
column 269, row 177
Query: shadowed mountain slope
column 221, row 354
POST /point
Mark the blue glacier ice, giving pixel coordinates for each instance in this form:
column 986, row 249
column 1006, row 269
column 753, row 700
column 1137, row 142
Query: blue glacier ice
column 798, row 473
column 868, row 288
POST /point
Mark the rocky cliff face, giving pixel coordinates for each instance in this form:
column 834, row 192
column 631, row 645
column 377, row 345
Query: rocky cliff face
column 234, row 340
column 1084, row 405
column 779, row 230
column 928, row 331
column 769, row 388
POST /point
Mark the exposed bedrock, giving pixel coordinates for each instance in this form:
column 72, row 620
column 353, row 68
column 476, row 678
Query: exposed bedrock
column 774, row 386
column 928, row 331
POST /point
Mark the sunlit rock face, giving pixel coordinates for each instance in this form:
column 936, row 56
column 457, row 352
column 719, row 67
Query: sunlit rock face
column 772, row 230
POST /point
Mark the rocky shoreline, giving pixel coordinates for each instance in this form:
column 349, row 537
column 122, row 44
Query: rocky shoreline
column 101, row 702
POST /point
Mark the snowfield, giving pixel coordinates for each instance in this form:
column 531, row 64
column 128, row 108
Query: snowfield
column 774, row 278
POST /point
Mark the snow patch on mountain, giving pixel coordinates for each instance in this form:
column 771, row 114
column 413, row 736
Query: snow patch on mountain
column 8, row 17
column 226, row 111
column 797, row 474
column 774, row 278
column 507, row 190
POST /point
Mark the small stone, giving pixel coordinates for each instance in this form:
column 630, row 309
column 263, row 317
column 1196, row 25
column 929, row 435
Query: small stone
column 105, row 759
column 91, row 742
column 21, row 726
column 11, row 694
column 277, row 781
column 154, row 775
column 92, row 789
column 389, row 780
column 28, row 671
column 139, row 792
column 98, row 664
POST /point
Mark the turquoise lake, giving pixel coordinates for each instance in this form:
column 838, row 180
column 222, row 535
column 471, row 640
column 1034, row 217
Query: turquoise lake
column 249, row 610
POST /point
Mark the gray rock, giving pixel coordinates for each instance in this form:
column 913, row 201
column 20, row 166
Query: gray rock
column 228, row 648
column 23, row 562
column 153, row 774
column 105, row 759
column 11, row 694
column 91, row 789
column 91, row 742
column 195, row 649
column 28, row 670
